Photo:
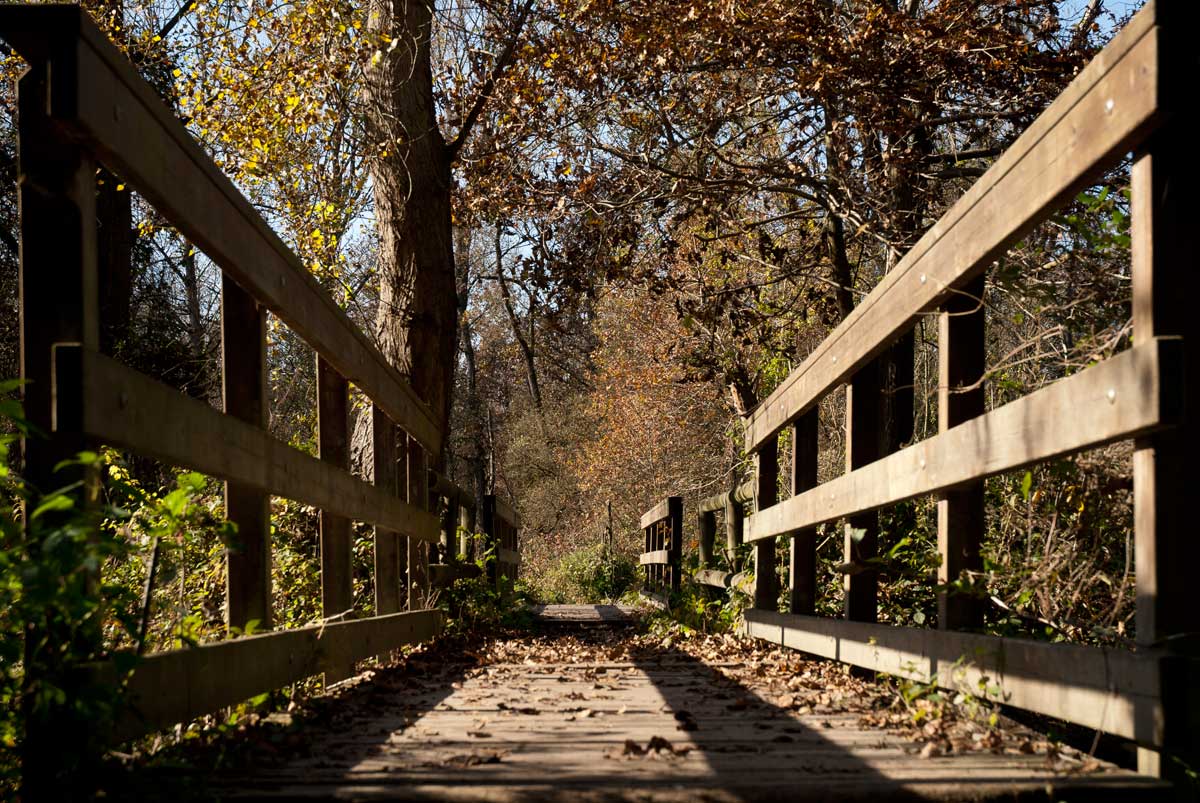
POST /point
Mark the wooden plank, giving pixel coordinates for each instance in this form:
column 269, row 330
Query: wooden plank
column 961, row 526
column 861, row 537
column 712, row 577
column 1120, row 398
column 333, row 447
column 743, row 493
column 509, row 556
column 244, row 392
column 505, row 512
column 58, row 298
column 734, row 525
column 417, row 556
column 387, row 542
column 1165, row 258
column 706, row 531
column 1111, row 105
column 802, row 571
column 1113, row 690
column 766, row 493
column 130, row 410
column 674, row 535
column 657, row 513
column 181, row 685
column 657, row 557
column 444, row 574
column 118, row 115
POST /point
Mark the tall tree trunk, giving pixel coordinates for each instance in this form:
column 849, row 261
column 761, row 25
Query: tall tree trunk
column 416, row 322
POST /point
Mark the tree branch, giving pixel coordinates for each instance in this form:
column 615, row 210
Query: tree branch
column 485, row 92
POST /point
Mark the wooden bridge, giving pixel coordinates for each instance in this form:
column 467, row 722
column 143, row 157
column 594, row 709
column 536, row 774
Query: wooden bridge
column 81, row 104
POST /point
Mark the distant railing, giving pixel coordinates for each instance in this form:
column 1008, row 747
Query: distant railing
column 662, row 531
column 1130, row 98
column 81, row 103
column 500, row 527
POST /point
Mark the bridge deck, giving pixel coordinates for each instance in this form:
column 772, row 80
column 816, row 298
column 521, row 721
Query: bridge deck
column 606, row 715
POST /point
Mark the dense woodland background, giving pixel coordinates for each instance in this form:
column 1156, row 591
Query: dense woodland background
column 655, row 210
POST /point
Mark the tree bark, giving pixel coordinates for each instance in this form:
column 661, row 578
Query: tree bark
column 416, row 322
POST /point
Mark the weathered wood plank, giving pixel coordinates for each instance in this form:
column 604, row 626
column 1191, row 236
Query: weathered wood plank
column 743, row 493
column 333, row 447
column 508, row 556
column 657, row 557
column 802, row 569
column 418, row 552
column 387, row 542
column 712, row 577
column 657, row 513
column 766, row 493
column 244, row 391
column 1049, row 163
column 133, row 411
column 1165, row 258
column 1120, row 398
column 960, row 511
column 181, row 685
column 117, row 114
column 59, row 302
column 1116, row 691
column 860, row 539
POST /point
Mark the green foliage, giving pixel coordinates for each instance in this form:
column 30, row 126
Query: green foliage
column 67, row 596
column 476, row 603
column 591, row 574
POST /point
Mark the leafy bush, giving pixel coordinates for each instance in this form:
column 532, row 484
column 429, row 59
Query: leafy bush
column 588, row 575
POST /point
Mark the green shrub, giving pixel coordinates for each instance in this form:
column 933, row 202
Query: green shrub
column 591, row 574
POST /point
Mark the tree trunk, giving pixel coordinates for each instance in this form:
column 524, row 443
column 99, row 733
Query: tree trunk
column 416, row 322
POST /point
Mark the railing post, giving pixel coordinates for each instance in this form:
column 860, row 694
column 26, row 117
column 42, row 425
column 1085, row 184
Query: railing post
column 803, row 570
column 862, row 531
column 734, row 521
column 706, row 530
column 244, row 389
column 675, row 548
column 961, row 356
column 1165, row 261
column 466, row 526
column 333, row 446
column 766, row 493
column 59, row 305
column 490, row 542
column 387, row 542
column 418, row 552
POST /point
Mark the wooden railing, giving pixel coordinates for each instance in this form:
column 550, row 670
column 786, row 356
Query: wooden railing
column 81, row 103
column 1128, row 99
column 662, row 531
column 500, row 527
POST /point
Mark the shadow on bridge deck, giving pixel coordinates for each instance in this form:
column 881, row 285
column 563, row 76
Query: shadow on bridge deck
column 578, row 717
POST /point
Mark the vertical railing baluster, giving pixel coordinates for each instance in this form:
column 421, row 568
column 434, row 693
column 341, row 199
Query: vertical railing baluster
column 766, row 493
column 802, row 572
column 333, row 446
column 961, row 355
column 862, row 531
column 244, row 390
column 1165, row 261
column 418, row 495
column 387, row 542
